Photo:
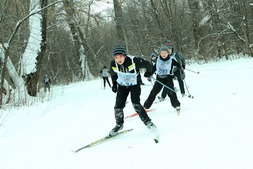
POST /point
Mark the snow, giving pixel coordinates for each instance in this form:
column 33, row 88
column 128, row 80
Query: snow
column 204, row 20
column 33, row 45
column 213, row 131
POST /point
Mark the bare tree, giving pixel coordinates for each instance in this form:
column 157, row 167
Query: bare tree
column 246, row 26
column 32, row 78
column 81, row 43
column 119, row 20
column 157, row 18
column 194, row 6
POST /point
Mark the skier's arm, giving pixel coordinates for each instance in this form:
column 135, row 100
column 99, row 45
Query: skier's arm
column 114, row 75
column 142, row 63
column 182, row 60
column 175, row 63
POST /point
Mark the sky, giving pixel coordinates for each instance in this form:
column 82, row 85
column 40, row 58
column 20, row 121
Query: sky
column 213, row 131
column 102, row 7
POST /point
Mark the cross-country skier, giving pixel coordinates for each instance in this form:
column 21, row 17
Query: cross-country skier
column 164, row 74
column 176, row 71
column 125, row 77
column 105, row 73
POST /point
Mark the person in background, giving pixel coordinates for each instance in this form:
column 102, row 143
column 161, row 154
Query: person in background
column 125, row 75
column 164, row 74
column 47, row 83
column 153, row 56
column 176, row 71
column 105, row 74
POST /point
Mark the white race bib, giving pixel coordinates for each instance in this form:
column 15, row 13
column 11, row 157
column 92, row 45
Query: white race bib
column 127, row 79
column 104, row 73
column 163, row 67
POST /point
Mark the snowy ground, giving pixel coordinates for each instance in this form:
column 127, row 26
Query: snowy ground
column 214, row 130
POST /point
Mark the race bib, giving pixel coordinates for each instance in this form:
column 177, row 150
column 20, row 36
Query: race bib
column 127, row 79
column 104, row 73
column 163, row 67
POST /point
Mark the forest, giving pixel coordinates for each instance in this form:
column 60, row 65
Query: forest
column 71, row 40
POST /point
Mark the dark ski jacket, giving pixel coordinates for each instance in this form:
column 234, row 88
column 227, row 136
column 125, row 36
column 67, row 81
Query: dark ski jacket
column 127, row 65
column 180, row 59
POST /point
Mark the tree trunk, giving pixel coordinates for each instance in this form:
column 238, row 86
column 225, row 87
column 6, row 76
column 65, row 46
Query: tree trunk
column 246, row 26
column 160, row 24
column 119, row 20
column 81, row 43
column 6, row 54
column 197, row 32
column 33, row 78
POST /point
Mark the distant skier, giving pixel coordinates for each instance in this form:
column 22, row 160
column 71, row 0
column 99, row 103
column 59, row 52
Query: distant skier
column 125, row 76
column 47, row 83
column 153, row 56
column 105, row 73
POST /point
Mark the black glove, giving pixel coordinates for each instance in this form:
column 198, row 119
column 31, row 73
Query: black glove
column 147, row 74
column 182, row 74
column 114, row 88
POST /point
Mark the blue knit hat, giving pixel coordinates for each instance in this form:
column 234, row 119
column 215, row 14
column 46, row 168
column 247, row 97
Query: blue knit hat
column 164, row 48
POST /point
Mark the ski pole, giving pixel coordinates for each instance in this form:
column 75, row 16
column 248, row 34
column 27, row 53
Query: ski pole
column 192, row 71
column 163, row 84
column 189, row 95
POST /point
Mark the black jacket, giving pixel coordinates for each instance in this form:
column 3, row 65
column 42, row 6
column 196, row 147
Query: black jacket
column 126, row 66
column 174, row 63
column 180, row 59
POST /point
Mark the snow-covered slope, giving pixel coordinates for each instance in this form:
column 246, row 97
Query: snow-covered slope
column 214, row 130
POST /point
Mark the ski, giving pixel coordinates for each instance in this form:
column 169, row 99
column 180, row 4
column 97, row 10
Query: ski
column 99, row 141
column 136, row 114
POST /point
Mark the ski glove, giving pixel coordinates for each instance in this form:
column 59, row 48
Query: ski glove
column 147, row 74
column 114, row 88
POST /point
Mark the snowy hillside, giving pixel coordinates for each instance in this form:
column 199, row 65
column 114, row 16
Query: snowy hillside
column 214, row 130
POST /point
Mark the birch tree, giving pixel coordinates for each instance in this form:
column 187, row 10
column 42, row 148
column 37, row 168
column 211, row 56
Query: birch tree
column 36, row 46
column 79, row 39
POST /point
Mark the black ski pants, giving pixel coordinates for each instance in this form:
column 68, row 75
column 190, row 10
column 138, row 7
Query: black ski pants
column 106, row 80
column 122, row 94
column 168, row 81
column 180, row 82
